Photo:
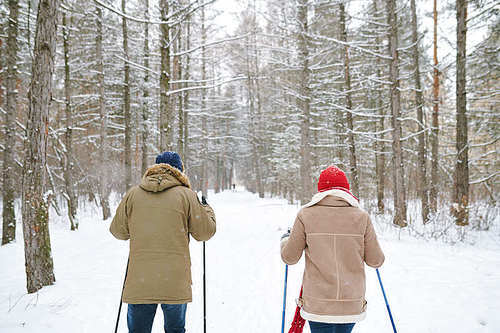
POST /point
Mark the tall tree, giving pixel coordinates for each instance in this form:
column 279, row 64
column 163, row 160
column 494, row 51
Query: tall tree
column 380, row 145
column 435, row 120
column 8, row 191
column 347, row 91
column 165, row 109
column 399, row 194
column 35, row 206
column 419, row 102
column 304, row 102
column 145, row 93
column 126, row 103
column 185, row 102
column 104, row 190
column 461, row 197
column 204, row 129
column 68, row 169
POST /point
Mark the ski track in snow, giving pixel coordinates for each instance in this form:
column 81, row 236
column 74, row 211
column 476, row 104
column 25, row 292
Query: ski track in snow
column 431, row 287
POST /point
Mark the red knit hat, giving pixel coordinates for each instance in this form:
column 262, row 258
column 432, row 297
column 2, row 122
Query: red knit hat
column 332, row 177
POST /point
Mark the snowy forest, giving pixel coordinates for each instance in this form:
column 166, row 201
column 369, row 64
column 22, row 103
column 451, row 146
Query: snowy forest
column 401, row 95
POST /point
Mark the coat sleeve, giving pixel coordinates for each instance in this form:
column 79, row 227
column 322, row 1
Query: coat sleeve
column 374, row 257
column 119, row 226
column 292, row 248
column 201, row 219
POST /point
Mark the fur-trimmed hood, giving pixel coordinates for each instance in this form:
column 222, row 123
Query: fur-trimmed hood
column 160, row 177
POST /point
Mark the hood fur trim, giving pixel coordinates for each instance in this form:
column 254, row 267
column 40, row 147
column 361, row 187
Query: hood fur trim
column 163, row 168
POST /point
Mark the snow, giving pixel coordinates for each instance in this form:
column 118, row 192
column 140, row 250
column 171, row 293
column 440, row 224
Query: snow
column 431, row 287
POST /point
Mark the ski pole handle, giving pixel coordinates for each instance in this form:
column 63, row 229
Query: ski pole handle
column 386, row 302
column 284, row 301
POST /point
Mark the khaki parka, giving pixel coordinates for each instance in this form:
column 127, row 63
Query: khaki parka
column 158, row 216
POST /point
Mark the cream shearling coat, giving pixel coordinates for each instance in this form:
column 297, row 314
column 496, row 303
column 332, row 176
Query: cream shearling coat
column 338, row 238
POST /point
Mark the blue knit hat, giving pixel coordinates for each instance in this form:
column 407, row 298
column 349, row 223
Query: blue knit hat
column 172, row 158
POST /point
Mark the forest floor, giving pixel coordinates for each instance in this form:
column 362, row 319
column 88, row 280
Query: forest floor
column 431, row 286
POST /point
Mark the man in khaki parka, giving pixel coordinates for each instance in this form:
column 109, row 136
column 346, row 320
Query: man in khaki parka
column 158, row 216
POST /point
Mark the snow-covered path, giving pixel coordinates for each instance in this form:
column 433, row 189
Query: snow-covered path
column 431, row 287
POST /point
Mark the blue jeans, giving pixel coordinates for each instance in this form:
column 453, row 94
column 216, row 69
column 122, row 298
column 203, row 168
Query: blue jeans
column 330, row 328
column 140, row 317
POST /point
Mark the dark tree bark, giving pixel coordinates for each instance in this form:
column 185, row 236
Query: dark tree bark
column 348, row 98
column 8, row 189
column 186, row 97
column 35, row 205
column 180, row 99
column 422, row 185
column 204, row 131
column 433, row 195
column 304, row 104
column 145, row 94
column 165, row 109
column 104, row 190
column 460, row 205
column 71, row 198
column 380, row 144
column 126, row 104
column 399, row 194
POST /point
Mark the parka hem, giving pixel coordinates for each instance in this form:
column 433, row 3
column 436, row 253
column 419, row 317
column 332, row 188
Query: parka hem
column 157, row 301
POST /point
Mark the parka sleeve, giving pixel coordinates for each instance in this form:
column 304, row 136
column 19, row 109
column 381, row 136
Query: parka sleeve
column 374, row 257
column 201, row 219
column 119, row 226
column 292, row 248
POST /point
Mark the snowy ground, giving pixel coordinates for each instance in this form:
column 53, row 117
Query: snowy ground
column 431, row 287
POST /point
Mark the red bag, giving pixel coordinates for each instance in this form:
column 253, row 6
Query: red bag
column 298, row 322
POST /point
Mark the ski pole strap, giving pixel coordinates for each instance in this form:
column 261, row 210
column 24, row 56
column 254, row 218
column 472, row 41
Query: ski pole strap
column 298, row 322
column 386, row 302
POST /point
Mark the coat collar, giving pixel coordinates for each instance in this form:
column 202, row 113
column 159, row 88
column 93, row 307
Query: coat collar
column 340, row 194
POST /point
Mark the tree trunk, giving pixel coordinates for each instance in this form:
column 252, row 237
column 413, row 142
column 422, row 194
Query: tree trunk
column 180, row 99
column 8, row 189
column 419, row 101
column 304, row 104
column 126, row 104
column 435, row 123
column 68, row 138
column 204, row 132
column 349, row 118
column 379, row 143
column 145, row 95
column 103, row 123
column 399, row 194
column 35, row 205
column 165, row 111
column 185, row 102
column 460, row 208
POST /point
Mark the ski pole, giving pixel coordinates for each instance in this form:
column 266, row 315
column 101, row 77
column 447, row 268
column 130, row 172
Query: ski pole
column 204, row 294
column 284, row 301
column 121, row 297
column 386, row 303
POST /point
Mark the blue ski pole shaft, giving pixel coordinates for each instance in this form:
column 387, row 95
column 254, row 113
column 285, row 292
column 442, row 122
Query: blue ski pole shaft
column 284, row 301
column 386, row 303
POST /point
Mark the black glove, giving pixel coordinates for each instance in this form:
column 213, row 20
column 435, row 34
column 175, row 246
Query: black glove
column 204, row 200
